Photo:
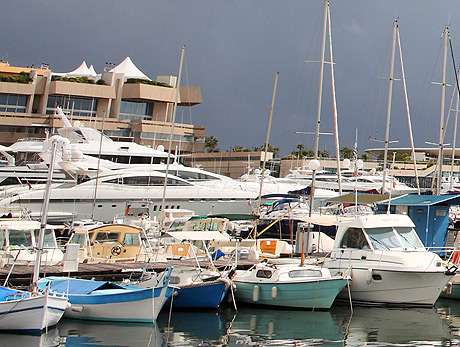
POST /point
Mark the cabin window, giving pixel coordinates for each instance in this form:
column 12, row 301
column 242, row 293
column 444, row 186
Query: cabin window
column 107, row 236
column 20, row 237
column 383, row 238
column 354, row 238
column 2, row 240
column 131, row 240
column 264, row 274
column 78, row 238
column 304, row 273
column 48, row 240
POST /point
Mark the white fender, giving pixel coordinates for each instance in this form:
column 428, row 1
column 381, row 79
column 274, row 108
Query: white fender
column 255, row 293
column 274, row 292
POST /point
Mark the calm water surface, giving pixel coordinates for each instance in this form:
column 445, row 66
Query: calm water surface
column 439, row 326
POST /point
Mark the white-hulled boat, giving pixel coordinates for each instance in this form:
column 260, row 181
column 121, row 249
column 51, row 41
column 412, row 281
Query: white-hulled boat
column 106, row 196
column 287, row 283
column 387, row 262
column 27, row 312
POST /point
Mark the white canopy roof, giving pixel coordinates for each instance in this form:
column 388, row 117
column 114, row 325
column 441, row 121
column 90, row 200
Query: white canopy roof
column 82, row 70
column 129, row 69
column 198, row 235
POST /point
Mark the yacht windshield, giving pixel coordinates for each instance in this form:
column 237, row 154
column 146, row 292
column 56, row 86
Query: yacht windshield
column 409, row 237
column 383, row 238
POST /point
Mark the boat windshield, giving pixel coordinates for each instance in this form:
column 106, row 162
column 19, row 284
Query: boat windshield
column 48, row 240
column 19, row 237
column 383, row 238
column 78, row 238
column 390, row 237
column 409, row 237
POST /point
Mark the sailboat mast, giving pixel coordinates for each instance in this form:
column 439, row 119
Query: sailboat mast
column 454, row 141
column 44, row 217
column 441, row 123
column 266, row 143
column 171, row 134
column 334, row 101
column 390, row 90
column 409, row 123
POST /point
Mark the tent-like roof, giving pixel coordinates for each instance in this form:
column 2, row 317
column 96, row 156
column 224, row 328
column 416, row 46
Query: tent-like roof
column 82, row 70
column 91, row 69
column 129, row 69
column 424, row 200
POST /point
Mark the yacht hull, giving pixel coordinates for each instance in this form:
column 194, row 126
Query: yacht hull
column 393, row 288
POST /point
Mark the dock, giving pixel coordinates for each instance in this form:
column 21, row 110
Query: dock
column 21, row 275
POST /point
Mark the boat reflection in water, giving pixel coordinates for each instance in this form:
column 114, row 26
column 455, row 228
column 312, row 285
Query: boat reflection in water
column 75, row 332
column 376, row 326
column 307, row 326
column 190, row 326
column 51, row 338
column 402, row 326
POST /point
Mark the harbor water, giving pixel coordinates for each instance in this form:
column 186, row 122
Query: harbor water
column 248, row 326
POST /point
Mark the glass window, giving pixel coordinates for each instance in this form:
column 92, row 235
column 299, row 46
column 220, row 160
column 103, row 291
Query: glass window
column 304, row 273
column 107, row 236
column 78, row 238
column 264, row 274
column 48, row 240
column 2, row 239
column 131, row 239
column 354, row 238
column 20, row 237
column 409, row 238
column 383, row 238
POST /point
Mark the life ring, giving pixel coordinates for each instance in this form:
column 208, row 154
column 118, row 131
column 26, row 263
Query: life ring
column 456, row 257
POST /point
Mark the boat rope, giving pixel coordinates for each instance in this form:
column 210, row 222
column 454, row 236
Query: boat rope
column 349, row 292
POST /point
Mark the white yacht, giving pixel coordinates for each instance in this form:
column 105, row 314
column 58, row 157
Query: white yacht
column 104, row 197
column 387, row 262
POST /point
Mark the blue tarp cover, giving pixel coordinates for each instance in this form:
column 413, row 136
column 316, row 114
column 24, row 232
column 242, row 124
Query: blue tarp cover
column 78, row 286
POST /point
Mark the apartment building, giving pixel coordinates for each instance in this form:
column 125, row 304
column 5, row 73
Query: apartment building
column 122, row 102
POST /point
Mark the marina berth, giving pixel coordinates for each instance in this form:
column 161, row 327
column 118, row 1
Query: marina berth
column 387, row 262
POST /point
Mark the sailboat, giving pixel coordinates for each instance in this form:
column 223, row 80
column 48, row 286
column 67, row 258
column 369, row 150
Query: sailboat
column 33, row 311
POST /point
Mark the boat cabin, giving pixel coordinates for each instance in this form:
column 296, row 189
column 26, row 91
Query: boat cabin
column 19, row 239
column 109, row 243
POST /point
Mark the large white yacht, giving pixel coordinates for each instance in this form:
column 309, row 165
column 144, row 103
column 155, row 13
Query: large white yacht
column 104, row 197
column 387, row 262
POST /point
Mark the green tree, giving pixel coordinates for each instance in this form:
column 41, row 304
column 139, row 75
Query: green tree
column 211, row 144
column 270, row 148
column 324, row 154
column 346, row 152
column 366, row 156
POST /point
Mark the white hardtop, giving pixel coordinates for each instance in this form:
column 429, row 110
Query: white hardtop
column 378, row 221
column 20, row 224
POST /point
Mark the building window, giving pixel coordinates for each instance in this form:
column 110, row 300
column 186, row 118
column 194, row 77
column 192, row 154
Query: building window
column 78, row 106
column 132, row 109
column 13, row 103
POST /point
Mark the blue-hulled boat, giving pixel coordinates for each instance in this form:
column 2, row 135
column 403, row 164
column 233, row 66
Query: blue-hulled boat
column 106, row 301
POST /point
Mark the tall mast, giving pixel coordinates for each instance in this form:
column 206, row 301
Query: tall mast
column 408, row 112
column 390, row 90
column 441, row 124
column 454, row 141
column 44, row 217
column 334, row 101
column 173, row 119
column 266, row 142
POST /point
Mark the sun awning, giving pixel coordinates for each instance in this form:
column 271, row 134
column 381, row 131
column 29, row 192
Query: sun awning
column 198, row 235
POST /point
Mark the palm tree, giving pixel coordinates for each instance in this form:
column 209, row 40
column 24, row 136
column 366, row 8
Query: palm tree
column 211, row 143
